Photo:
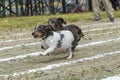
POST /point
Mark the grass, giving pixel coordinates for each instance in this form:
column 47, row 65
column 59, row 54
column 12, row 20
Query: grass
column 30, row 21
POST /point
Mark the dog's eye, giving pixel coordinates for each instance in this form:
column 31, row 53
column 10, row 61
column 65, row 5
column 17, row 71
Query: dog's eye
column 39, row 29
column 34, row 28
column 52, row 21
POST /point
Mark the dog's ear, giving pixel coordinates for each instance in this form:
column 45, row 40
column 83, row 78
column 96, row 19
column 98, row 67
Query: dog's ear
column 61, row 20
column 49, row 28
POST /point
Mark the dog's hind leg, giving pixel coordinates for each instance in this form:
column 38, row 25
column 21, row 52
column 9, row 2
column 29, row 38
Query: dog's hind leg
column 70, row 53
column 75, row 42
column 73, row 47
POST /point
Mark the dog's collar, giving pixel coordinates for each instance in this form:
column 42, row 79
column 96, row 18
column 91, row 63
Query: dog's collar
column 47, row 34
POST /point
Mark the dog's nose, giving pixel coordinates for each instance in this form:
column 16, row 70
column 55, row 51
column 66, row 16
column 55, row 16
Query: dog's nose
column 33, row 33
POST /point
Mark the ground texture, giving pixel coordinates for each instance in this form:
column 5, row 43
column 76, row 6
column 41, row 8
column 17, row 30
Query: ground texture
column 94, row 59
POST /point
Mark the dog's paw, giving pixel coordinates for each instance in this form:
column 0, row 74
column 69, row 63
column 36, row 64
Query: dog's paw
column 42, row 54
column 69, row 57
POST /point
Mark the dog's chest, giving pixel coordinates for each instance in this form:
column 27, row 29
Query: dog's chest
column 54, row 40
column 47, row 42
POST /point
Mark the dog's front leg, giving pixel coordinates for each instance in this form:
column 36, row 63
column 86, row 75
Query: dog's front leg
column 50, row 49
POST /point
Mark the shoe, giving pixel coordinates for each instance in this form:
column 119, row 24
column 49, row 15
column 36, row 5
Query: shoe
column 112, row 19
column 97, row 19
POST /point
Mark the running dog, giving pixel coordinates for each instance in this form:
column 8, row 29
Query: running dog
column 57, row 24
column 54, row 40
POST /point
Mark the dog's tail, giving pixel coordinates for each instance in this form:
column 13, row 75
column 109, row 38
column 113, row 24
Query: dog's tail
column 84, row 36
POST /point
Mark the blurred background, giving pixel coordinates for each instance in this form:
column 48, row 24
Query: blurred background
column 46, row 7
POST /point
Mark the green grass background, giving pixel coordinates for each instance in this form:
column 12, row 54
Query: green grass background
column 31, row 21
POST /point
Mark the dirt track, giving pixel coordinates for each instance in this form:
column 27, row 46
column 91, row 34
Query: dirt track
column 105, row 39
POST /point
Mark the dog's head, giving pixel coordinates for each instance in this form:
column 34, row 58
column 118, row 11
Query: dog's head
column 56, row 23
column 40, row 31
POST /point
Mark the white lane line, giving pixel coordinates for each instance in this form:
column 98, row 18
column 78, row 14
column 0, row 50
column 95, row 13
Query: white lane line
column 91, row 30
column 117, row 77
column 99, row 29
column 20, row 34
column 11, row 47
column 57, row 65
column 21, row 39
column 20, row 57
column 100, row 34
column 38, row 53
column 104, row 33
column 101, row 24
column 98, row 42
column 17, row 34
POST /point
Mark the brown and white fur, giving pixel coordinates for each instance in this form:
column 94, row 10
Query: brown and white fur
column 57, row 24
column 52, row 40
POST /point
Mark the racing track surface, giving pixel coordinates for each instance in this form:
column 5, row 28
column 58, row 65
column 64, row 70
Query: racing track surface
column 94, row 59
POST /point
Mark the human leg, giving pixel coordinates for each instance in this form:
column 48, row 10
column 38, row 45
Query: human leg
column 96, row 9
column 109, row 10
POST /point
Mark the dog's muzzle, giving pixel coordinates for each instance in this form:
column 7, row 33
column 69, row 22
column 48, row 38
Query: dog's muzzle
column 33, row 34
